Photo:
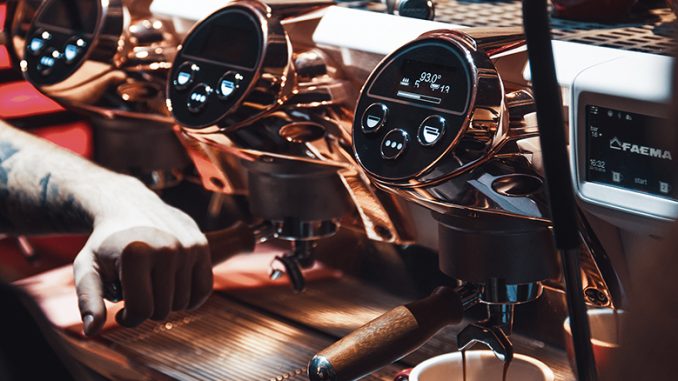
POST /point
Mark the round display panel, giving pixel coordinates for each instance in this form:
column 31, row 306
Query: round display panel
column 412, row 109
column 59, row 39
column 215, row 67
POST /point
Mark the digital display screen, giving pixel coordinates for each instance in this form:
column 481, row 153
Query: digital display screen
column 78, row 16
column 431, row 75
column 425, row 82
column 631, row 151
column 233, row 39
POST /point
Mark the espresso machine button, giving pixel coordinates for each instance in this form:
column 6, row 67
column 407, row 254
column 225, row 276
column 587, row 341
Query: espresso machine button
column 197, row 99
column 73, row 49
column 38, row 42
column 374, row 117
column 228, row 84
column 394, row 144
column 185, row 75
column 47, row 61
column 431, row 130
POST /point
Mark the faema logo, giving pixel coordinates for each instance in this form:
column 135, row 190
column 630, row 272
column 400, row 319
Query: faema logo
column 658, row 153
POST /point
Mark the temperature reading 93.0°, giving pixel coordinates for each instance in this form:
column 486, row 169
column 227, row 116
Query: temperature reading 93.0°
column 429, row 77
column 425, row 82
column 433, row 81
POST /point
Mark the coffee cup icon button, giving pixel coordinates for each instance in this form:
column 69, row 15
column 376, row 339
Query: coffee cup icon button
column 374, row 118
column 431, row 130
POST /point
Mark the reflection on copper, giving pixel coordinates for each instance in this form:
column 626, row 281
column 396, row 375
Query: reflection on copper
column 143, row 48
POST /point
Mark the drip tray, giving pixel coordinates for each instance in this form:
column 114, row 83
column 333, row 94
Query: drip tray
column 266, row 334
column 224, row 340
column 340, row 306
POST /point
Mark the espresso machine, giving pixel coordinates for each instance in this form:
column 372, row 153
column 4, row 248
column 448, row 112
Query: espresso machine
column 278, row 120
column 108, row 61
column 436, row 125
column 251, row 102
column 266, row 102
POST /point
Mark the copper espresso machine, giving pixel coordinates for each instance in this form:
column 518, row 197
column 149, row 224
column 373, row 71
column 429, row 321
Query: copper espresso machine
column 276, row 121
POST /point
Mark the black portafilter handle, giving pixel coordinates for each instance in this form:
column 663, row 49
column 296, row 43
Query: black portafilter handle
column 392, row 336
column 223, row 244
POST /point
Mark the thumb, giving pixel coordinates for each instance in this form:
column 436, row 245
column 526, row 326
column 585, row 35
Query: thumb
column 88, row 286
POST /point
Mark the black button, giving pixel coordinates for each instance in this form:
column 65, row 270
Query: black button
column 374, row 117
column 228, row 84
column 394, row 144
column 37, row 44
column 47, row 61
column 431, row 130
column 185, row 75
column 197, row 99
column 73, row 49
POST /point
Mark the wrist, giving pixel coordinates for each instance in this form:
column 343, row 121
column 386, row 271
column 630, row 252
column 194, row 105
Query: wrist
column 109, row 194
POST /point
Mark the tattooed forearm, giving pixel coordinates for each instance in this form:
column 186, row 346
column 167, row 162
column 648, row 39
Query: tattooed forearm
column 36, row 190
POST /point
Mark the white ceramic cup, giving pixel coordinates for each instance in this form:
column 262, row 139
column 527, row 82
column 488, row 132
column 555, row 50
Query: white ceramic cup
column 480, row 366
column 606, row 327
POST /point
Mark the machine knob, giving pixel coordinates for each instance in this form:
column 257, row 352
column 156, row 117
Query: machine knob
column 418, row 9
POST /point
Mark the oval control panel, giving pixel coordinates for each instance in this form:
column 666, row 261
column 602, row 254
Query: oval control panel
column 413, row 108
column 59, row 39
column 215, row 66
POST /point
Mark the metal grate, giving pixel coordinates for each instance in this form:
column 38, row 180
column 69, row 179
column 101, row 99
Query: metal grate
column 225, row 341
column 650, row 33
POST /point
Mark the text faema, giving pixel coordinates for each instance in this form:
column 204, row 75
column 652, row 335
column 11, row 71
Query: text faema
column 658, row 153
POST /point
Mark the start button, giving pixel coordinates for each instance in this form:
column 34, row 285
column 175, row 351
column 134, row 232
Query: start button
column 197, row 99
column 394, row 144
column 431, row 130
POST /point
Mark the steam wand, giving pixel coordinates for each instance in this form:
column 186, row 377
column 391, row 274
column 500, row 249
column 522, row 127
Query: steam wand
column 558, row 176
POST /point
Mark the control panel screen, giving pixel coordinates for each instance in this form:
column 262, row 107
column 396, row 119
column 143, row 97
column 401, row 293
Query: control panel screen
column 234, row 40
column 432, row 76
column 71, row 14
column 219, row 60
column 631, row 151
column 414, row 108
column 425, row 82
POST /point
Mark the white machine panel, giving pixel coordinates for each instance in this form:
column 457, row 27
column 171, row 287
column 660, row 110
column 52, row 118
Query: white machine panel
column 624, row 149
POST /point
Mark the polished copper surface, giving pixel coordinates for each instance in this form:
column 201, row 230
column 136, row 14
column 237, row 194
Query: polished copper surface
column 125, row 67
column 307, row 91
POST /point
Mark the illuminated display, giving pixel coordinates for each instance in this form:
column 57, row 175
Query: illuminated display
column 414, row 107
column 425, row 82
column 631, row 151
column 433, row 76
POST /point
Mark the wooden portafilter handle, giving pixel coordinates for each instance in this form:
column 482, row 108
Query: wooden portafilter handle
column 391, row 336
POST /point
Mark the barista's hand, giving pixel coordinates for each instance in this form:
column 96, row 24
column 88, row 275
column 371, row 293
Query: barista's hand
column 155, row 251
